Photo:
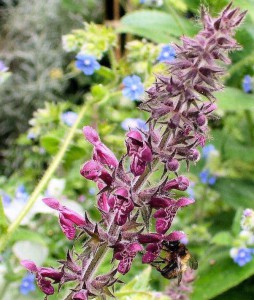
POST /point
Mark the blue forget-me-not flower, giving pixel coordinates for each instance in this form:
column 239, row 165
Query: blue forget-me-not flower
column 133, row 87
column 247, row 84
column 190, row 190
column 167, row 54
column 87, row 63
column 3, row 67
column 241, row 256
column 206, row 177
column 27, row 284
column 92, row 190
column 21, row 194
column 69, row 117
column 6, row 199
column 207, row 150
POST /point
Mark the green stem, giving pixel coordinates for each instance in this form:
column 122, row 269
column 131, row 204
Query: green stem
column 3, row 222
column 4, row 290
column 43, row 182
column 250, row 124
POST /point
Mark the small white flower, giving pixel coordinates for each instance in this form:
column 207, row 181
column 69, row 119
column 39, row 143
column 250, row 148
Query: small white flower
column 55, row 187
column 233, row 252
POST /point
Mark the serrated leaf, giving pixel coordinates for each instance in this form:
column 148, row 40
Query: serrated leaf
column 214, row 279
column 236, row 192
column 157, row 26
column 235, row 100
column 222, row 238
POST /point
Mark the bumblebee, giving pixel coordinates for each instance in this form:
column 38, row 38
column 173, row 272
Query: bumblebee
column 175, row 260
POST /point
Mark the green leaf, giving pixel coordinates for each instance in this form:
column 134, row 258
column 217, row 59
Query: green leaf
column 222, row 238
column 75, row 152
column 99, row 92
column 236, row 227
column 72, row 6
column 157, row 26
column 105, row 72
column 236, row 192
column 138, row 288
column 235, row 100
column 139, row 282
column 50, row 143
column 223, row 274
column 28, row 235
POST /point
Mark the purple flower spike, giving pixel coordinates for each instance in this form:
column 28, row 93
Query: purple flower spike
column 67, row 217
column 139, row 189
column 102, row 153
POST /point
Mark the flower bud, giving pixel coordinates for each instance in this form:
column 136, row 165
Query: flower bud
column 172, row 165
column 193, row 155
column 201, row 120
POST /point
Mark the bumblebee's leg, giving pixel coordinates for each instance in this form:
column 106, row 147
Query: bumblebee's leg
column 157, row 267
column 159, row 261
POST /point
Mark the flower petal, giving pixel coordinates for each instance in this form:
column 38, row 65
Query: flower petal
column 29, row 265
column 67, row 227
column 52, row 202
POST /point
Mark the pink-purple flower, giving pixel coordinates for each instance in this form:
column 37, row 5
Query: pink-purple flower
column 139, row 150
column 126, row 252
column 42, row 275
column 68, row 218
column 101, row 153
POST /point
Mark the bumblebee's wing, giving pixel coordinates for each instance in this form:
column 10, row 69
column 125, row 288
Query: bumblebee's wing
column 193, row 263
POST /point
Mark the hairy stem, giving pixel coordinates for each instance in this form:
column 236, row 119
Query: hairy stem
column 44, row 180
column 3, row 222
